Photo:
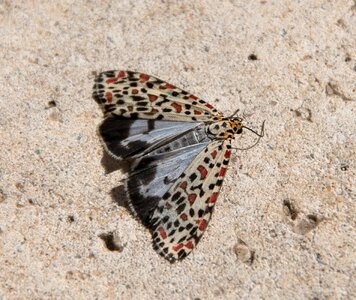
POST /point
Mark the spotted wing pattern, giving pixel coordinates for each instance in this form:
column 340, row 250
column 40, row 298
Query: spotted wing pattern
column 135, row 95
column 184, row 212
column 179, row 148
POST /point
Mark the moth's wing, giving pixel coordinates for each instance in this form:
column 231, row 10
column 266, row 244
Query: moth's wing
column 126, row 138
column 153, row 175
column 181, row 216
column 135, row 95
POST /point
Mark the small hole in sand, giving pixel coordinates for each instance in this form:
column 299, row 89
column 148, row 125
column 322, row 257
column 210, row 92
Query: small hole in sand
column 289, row 209
column 344, row 167
column 111, row 242
column 51, row 104
column 243, row 253
column 252, row 57
column 312, row 218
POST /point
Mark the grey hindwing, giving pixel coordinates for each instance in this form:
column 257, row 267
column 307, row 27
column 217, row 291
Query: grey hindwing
column 152, row 175
column 129, row 138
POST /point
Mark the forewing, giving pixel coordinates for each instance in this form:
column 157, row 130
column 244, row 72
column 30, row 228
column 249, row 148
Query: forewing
column 126, row 138
column 184, row 211
column 137, row 95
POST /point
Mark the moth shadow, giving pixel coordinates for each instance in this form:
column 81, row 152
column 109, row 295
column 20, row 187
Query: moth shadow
column 118, row 194
column 111, row 164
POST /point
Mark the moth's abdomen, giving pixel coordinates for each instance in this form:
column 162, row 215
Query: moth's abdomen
column 195, row 136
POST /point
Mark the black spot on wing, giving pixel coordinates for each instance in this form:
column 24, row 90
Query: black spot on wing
column 114, row 130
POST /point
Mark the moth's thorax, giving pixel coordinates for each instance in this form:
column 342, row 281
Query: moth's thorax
column 225, row 128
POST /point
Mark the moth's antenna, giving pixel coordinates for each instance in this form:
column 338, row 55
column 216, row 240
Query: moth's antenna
column 234, row 114
column 260, row 135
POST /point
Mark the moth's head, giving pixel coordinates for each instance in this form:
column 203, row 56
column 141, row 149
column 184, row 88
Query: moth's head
column 236, row 125
column 226, row 128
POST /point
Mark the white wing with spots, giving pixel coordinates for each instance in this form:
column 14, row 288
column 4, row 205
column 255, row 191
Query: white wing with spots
column 183, row 213
column 136, row 95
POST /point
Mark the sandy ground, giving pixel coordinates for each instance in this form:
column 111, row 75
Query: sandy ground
column 284, row 224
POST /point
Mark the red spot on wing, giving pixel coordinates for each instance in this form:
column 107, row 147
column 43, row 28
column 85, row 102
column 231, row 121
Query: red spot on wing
column 208, row 106
column 108, row 96
column 202, row 224
column 134, row 92
column 112, row 80
column 189, row 245
column 202, row 171
column 184, row 217
column 183, row 185
column 162, row 233
column 213, row 154
column 197, row 112
column 144, row 77
column 170, row 86
column 152, row 112
column 213, row 198
column 177, row 107
column 152, row 97
column 191, row 198
column 193, row 97
column 177, row 247
column 222, row 172
column 227, row 154
column 167, row 86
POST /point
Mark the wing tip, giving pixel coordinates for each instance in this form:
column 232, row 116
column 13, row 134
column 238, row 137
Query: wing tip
column 169, row 253
column 164, row 253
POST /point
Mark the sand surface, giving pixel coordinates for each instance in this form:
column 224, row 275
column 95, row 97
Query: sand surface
column 284, row 224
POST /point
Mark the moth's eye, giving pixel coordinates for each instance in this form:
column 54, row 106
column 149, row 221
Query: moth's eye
column 239, row 131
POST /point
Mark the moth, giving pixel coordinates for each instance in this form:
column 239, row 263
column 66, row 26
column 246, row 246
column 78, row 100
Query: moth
column 179, row 148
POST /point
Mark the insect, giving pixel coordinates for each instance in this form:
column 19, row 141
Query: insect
column 179, row 148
